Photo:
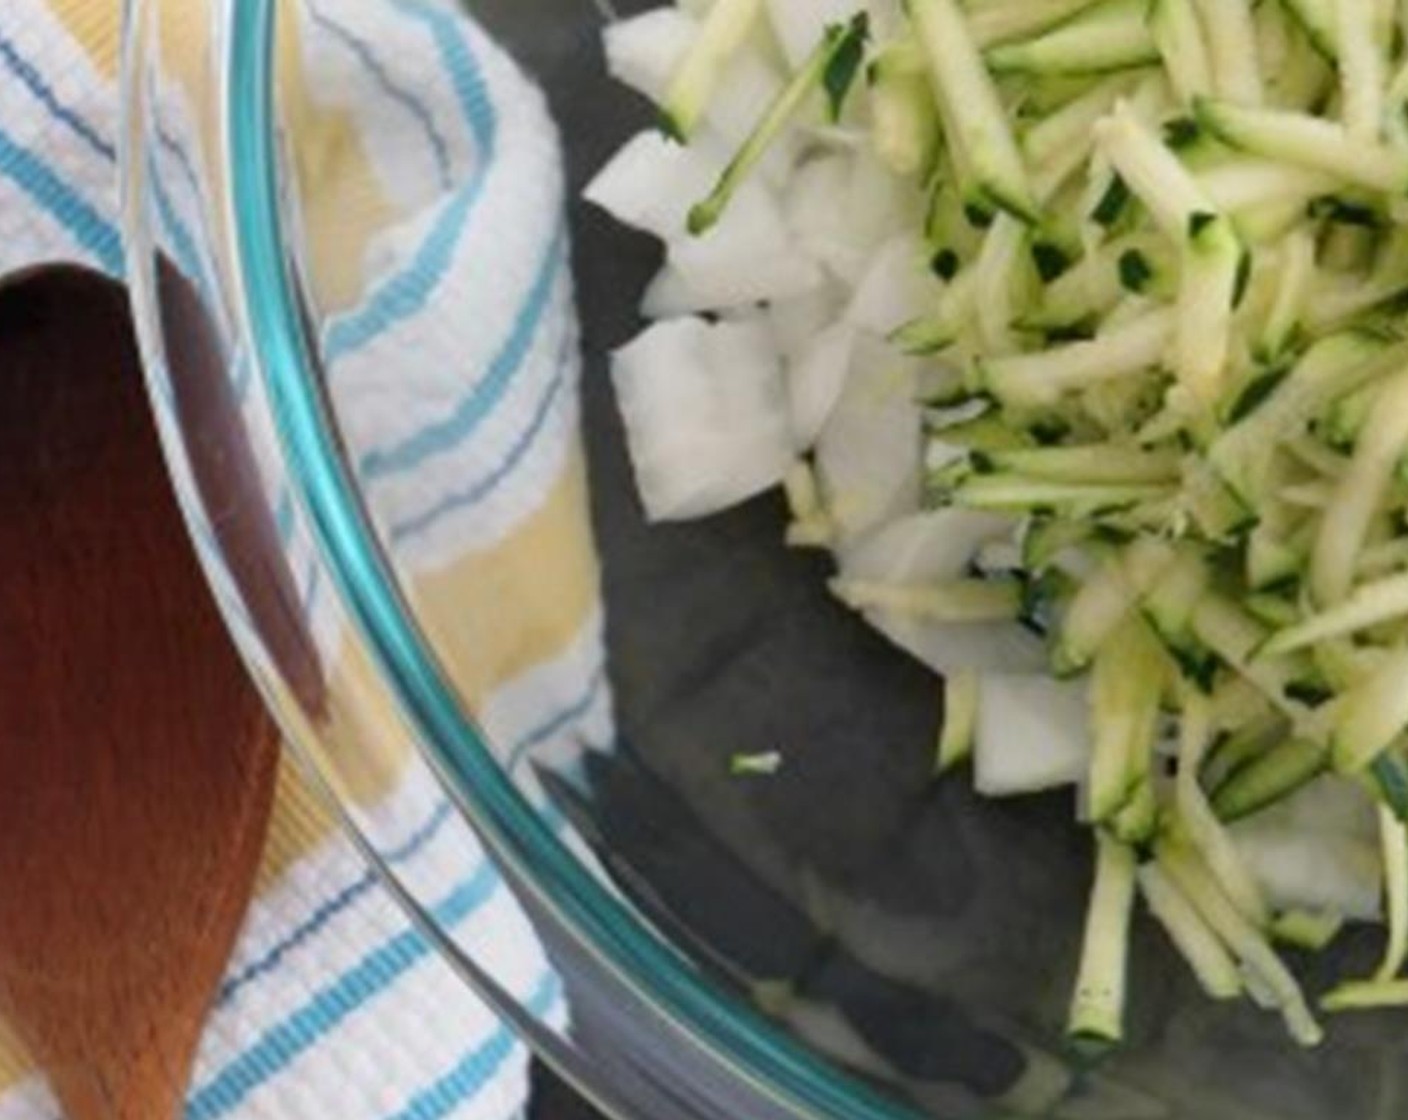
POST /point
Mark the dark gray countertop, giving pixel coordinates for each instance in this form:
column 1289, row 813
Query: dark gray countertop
column 552, row 1100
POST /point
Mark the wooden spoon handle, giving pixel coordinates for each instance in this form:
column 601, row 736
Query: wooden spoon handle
column 137, row 764
column 129, row 1069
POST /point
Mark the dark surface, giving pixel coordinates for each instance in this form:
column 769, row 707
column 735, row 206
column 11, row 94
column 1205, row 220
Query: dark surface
column 552, row 1100
column 944, row 929
column 723, row 641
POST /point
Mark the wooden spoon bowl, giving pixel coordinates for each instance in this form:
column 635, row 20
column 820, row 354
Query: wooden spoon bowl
column 136, row 761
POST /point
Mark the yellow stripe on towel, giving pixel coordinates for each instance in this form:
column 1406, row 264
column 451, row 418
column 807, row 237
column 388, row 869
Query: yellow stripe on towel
column 332, row 166
column 96, row 28
column 300, row 824
column 490, row 617
column 493, row 615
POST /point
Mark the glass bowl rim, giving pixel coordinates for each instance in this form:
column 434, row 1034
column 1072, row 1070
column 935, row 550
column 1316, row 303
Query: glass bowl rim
column 731, row 1035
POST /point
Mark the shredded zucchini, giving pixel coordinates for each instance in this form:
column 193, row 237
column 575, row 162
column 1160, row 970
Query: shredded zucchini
column 1206, row 955
column 1363, row 56
column 1118, row 290
column 1371, row 715
column 961, row 696
column 1196, row 820
column 997, row 21
column 971, row 600
column 1097, row 1009
column 905, row 120
column 1127, row 684
column 1366, row 995
column 1178, row 35
column 975, row 120
column 1360, row 494
column 1042, row 378
column 1111, row 35
column 1307, row 929
column 1270, row 777
column 1242, row 939
column 1332, row 367
column 1368, row 605
column 1318, row 19
column 1306, row 141
column 725, row 30
column 832, row 67
column 1233, row 46
column 1394, row 839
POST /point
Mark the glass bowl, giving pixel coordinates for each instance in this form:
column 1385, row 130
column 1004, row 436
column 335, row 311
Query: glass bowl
column 386, row 485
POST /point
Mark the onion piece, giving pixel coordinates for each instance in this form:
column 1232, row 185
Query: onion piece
column 869, row 454
column 705, row 417
column 817, row 378
column 898, row 287
column 649, row 182
column 1032, row 734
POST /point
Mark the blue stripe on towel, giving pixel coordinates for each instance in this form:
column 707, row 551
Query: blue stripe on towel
column 33, row 80
column 443, row 435
column 449, row 32
column 380, row 969
column 330, row 909
column 398, row 93
column 407, row 292
column 282, row 1044
column 61, row 202
column 481, row 1064
column 473, row 495
column 321, row 918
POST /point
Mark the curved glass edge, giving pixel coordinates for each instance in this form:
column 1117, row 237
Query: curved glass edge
column 724, row 1030
column 142, row 248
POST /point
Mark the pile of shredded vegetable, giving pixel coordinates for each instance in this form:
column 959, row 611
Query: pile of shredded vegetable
column 1073, row 329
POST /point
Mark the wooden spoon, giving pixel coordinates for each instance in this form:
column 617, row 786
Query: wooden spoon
column 137, row 764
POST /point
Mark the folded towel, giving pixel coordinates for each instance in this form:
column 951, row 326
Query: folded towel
column 334, row 1006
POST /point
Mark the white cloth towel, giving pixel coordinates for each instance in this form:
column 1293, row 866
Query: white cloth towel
column 334, row 1006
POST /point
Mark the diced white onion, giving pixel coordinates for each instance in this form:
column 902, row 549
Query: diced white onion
column 1033, row 733
column 705, row 416
column 897, row 287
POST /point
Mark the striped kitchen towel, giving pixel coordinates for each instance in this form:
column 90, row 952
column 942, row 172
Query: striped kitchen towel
column 438, row 264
